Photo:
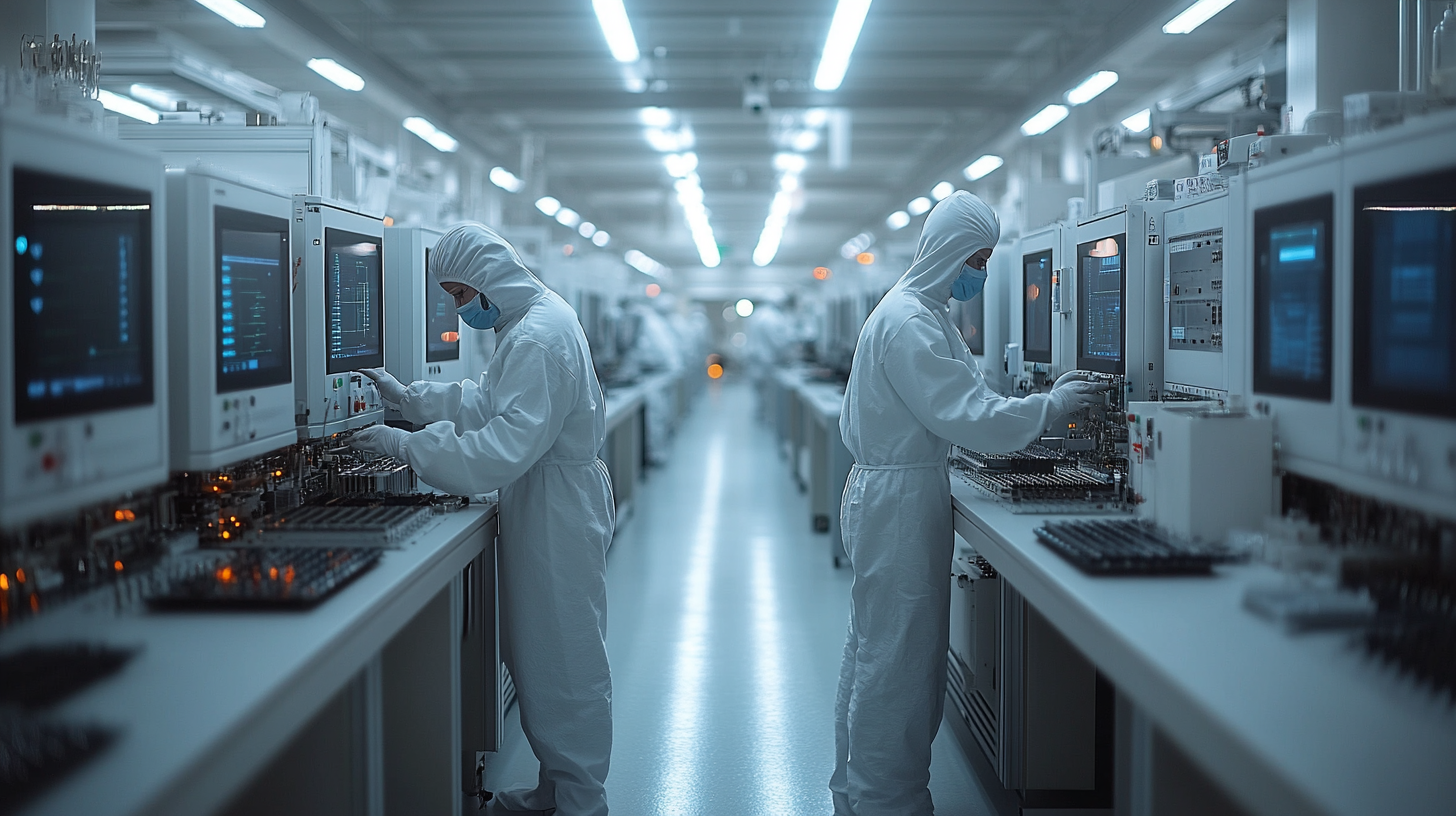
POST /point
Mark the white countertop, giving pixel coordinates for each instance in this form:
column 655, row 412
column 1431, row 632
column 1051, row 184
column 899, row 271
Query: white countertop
column 1288, row 724
column 212, row 696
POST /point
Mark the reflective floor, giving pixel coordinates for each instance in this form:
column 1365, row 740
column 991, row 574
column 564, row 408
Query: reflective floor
column 727, row 623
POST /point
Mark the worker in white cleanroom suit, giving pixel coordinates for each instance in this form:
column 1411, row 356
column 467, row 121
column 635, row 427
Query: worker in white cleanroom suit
column 914, row 390
column 531, row 427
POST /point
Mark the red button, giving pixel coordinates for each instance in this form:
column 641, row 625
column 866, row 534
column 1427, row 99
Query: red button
column 48, row 462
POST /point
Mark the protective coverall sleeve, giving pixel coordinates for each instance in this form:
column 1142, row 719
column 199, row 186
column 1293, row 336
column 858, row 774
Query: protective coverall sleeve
column 466, row 404
column 532, row 397
column 950, row 397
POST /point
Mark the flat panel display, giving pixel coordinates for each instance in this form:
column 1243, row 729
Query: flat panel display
column 1293, row 282
column 1101, row 312
column 1405, row 295
column 442, row 324
column 82, row 317
column 253, row 287
column 353, row 300
column 1036, row 307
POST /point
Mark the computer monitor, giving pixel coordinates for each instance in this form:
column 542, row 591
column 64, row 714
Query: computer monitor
column 1036, row 306
column 229, row 281
column 1101, row 301
column 339, row 319
column 1405, row 295
column 82, row 365
column 424, row 336
column 1293, row 291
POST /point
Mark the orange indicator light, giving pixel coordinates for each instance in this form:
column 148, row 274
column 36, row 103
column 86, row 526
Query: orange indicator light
column 118, row 566
column 715, row 371
column 450, row 337
column 4, row 582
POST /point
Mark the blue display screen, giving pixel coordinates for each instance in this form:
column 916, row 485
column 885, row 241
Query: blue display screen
column 1405, row 295
column 1101, row 321
column 253, row 286
column 353, row 300
column 1292, row 298
column 82, row 316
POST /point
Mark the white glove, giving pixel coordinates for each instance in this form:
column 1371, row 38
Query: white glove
column 380, row 439
column 390, row 389
column 1072, row 376
column 1075, row 395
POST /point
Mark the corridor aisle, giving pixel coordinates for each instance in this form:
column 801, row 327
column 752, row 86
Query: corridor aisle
column 725, row 632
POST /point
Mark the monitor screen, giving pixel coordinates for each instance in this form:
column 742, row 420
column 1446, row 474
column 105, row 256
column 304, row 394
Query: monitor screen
column 1101, row 279
column 353, row 300
column 82, row 317
column 1036, row 307
column 442, row 325
column 253, row 284
column 1405, row 295
column 1292, row 298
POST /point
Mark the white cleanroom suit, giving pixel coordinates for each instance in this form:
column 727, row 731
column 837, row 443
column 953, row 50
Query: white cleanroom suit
column 532, row 427
column 913, row 390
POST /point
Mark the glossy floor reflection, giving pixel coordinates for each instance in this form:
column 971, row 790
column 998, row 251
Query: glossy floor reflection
column 727, row 623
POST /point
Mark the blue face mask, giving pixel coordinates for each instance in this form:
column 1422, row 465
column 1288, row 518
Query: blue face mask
column 477, row 316
column 968, row 283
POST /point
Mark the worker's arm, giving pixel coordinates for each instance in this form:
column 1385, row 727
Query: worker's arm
column 534, row 395
column 466, row 404
column 950, row 396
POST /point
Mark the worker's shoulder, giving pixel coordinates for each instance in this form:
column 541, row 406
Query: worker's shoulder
column 898, row 310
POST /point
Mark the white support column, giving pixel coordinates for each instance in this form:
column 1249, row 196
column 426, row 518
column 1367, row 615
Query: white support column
column 1339, row 47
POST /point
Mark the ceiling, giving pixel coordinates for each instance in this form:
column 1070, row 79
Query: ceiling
column 931, row 85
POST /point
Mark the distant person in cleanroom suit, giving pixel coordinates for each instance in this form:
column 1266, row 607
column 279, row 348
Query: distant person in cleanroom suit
column 531, row 427
column 914, row 390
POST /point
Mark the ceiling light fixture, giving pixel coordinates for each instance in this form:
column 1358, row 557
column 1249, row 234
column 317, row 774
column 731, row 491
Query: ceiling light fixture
column 601, row 238
column 942, row 191
column 1092, row 87
column 982, row 167
column 612, row 16
column 1044, row 120
column 567, row 217
column 789, row 162
column 438, row 139
column 587, row 229
column 506, row 180
column 679, row 165
column 856, row 245
column 126, row 106
column 918, row 206
column 548, row 206
column 1195, row 16
column 642, row 263
column 1140, row 121
column 337, row 74
column 849, row 17
column 898, row 220
column 234, row 12
column 804, row 140
column 655, row 117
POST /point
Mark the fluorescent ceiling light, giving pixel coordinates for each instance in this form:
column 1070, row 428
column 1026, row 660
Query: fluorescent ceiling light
column 655, row 117
column 587, row 229
column 1092, row 87
column 942, row 191
column 234, row 12
column 897, row 220
column 805, row 140
column 789, row 162
column 642, row 263
column 438, row 139
column 158, row 98
column 617, row 28
column 1140, row 121
column 548, row 206
column 337, row 74
column 856, row 245
column 918, row 206
column 982, row 167
column 679, row 165
column 567, row 217
column 744, row 307
column 849, row 17
column 667, row 141
column 506, row 180
column 1195, row 16
column 601, row 238
column 126, row 106
column 1045, row 119
column 816, row 117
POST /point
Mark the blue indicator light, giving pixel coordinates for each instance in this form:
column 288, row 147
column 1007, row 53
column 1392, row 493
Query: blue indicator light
column 21, row 242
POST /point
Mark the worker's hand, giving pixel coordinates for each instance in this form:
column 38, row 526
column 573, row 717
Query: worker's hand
column 380, row 439
column 1075, row 395
column 390, row 389
column 1073, row 376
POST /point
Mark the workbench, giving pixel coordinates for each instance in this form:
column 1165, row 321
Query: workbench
column 354, row 706
column 1284, row 724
